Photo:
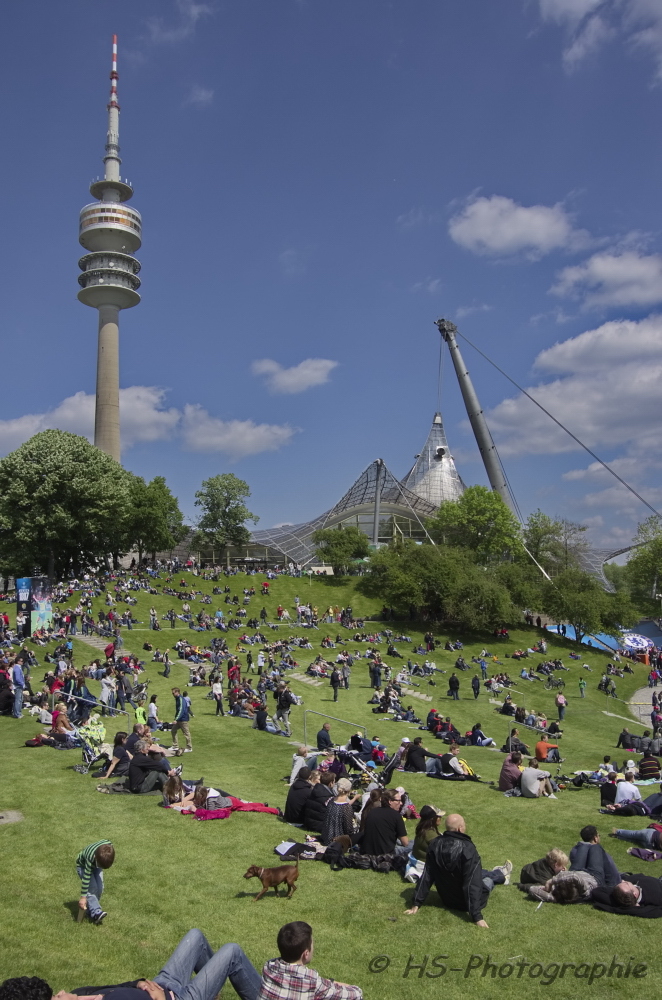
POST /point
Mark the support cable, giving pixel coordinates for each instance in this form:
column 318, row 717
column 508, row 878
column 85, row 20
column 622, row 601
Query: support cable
column 563, row 427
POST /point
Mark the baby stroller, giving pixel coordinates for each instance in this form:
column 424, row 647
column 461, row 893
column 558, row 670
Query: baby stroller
column 91, row 747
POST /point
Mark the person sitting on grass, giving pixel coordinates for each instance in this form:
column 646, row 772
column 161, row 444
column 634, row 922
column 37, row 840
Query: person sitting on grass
column 535, row 782
column 288, row 977
column 416, row 755
column 119, row 765
column 548, row 752
column 383, row 826
column 427, row 830
column 511, row 774
column 300, row 790
column 649, row 766
column 479, row 739
column 454, row 866
column 317, row 803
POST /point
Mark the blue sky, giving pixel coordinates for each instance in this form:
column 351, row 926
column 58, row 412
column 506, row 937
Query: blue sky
column 320, row 180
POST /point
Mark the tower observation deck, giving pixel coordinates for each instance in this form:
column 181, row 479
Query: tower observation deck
column 111, row 232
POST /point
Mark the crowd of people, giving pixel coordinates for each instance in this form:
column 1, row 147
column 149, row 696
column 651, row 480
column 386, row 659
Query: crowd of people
column 336, row 796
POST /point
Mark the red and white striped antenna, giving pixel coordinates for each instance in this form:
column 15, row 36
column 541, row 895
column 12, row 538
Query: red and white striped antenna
column 114, row 77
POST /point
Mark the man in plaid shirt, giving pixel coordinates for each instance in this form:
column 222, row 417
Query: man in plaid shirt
column 288, row 978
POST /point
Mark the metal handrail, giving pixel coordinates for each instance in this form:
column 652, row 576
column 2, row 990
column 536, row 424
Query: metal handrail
column 309, row 711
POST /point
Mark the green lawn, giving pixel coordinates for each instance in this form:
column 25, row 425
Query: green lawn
column 173, row 873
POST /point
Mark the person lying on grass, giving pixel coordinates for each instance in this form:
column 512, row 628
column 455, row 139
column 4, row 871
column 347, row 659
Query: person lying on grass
column 191, row 796
column 285, row 977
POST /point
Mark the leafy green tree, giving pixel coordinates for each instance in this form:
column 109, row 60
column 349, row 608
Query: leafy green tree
column 62, row 505
column 442, row 583
column 644, row 565
column 617, row 576
column 573, row 544
column 155, row 520
column 578, row 598
column 542, row 537
column 523, row 581
column 224, row 514
column 555, row 543
column 338, row 546
column 479, row 521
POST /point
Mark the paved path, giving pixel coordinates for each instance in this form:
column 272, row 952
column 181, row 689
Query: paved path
column 640, row 704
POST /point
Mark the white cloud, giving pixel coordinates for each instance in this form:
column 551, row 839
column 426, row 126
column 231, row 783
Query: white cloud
column 592, row 36
column 237, row 438
column 190, row 12
column 498, row 226
column 609, row 394
column 463, row 311
column 590, row 24
column 568, row 12
column 628, row 278
column 646, row 17
column 305, row 375
column 607, row 346
column 144, row 418
column 414, row 219
column 200, row 97
column 430, row 285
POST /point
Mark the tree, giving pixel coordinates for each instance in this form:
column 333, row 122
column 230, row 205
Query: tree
column 223, row 521
column 479, row 521
column 542, row 537
column 442, row 583
column 573, row 544
column 62, row 503
column 644, row 565
column 155, row 520
column 338, row 546
column 578, row 598
column 555, row 543
column 617, row 576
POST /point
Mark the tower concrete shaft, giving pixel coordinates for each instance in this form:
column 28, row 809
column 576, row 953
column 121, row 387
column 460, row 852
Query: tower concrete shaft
column 107, row 412
column 112, row 233
column 476, row 416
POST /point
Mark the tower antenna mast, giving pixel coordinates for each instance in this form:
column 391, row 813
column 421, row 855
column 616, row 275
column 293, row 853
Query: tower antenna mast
column 476, row 416
column 111, row 232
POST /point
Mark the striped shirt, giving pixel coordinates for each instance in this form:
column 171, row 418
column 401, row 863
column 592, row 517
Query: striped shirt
column 87, row 861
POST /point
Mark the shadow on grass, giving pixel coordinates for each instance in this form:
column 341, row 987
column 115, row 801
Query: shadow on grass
column 407, row 896
column 252, row 895
column 73, row 909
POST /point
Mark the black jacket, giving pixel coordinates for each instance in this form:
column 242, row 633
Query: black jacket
column 536, row 873
column 324, row 740
column 651, row 901
column 416, row 758
column 315, row 806
column 139, row 767
column 454, row 865
column 296, row 799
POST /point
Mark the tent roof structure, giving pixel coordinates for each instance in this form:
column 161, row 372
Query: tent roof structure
column 295, row 540
column 434, row 476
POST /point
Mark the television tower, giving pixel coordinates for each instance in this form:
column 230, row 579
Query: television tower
column 111, row 232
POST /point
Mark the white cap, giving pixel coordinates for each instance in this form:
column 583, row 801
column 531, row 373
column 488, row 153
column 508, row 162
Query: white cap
column 405, row 739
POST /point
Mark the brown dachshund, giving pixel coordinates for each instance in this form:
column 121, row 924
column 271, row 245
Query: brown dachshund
column 274, row 877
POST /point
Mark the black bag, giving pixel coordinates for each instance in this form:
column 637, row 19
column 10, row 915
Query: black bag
column 332, row 856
